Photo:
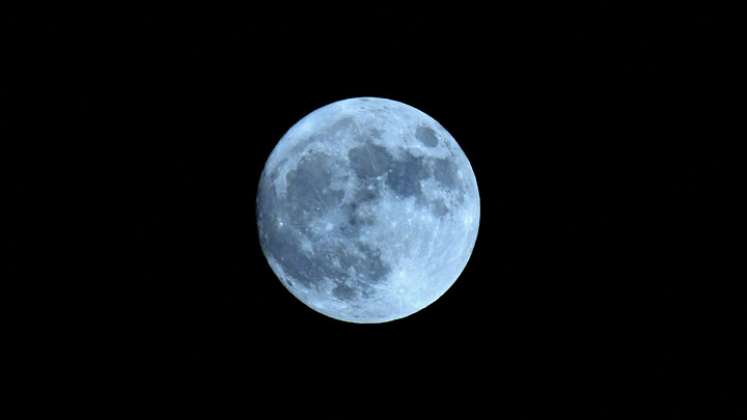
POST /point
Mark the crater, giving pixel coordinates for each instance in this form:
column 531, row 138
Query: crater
column 427, row 136
column 343, row 292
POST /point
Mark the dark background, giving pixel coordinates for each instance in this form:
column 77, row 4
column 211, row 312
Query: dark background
column 599, row 286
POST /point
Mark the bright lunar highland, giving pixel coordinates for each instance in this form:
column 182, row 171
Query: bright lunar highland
column 367, row 210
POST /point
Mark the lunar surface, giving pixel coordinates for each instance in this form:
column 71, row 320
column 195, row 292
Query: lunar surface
column 367, row 210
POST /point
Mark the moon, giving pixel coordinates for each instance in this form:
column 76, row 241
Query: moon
column 367, row 210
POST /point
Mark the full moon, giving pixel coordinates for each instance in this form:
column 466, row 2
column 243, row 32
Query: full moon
column 367, row 210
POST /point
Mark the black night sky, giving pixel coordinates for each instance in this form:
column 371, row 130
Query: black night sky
column 599, row 286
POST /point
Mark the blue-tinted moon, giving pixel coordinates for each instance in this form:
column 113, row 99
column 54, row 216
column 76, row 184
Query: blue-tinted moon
column 367, row 210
